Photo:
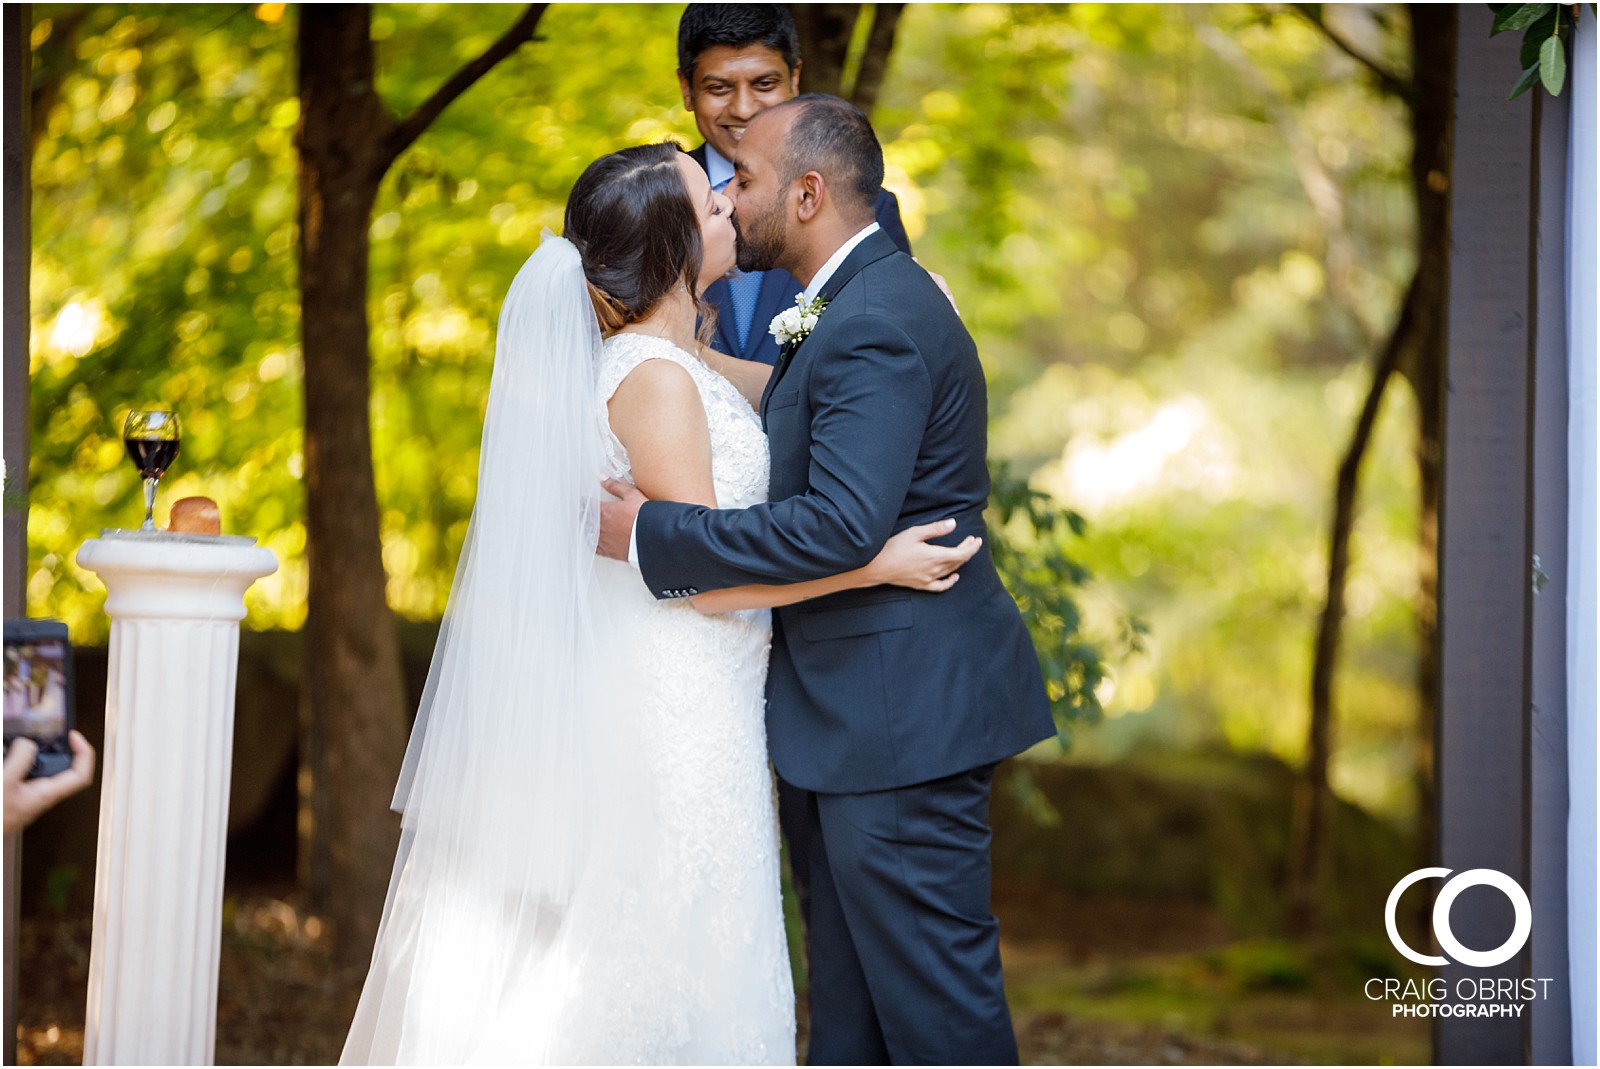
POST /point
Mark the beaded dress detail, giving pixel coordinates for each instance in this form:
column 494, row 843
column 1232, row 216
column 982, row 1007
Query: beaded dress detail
column 695, row 965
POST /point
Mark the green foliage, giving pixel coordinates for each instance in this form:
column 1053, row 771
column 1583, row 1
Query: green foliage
column 164, row 265
column 1097, row 181
column 164, row 274
column 1175, row 233
column 59, row 884
column 1544, row 43
column 1262, row 965
column 1031, row 543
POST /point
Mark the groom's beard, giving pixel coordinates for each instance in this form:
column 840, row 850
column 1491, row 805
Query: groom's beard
column 760, row 241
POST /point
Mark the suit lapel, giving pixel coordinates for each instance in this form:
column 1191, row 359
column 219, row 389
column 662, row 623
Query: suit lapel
column 872, row 249
column 778, row 368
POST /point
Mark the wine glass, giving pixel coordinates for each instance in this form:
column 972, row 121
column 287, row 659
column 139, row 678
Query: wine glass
column 152, row 440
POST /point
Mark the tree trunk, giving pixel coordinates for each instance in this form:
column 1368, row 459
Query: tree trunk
column 354, row 714
column 826, row 31
column 1416, row 351
column 875, row 61
column 353, row 719
column 1314, row 800
column 1433, row 59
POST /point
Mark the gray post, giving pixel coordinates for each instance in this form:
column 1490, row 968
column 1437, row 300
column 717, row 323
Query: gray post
column 1551, row 1017
column 17, row 24
column 1485, row 573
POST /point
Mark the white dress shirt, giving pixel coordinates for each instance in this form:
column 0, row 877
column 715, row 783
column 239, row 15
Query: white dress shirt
column 825, row 272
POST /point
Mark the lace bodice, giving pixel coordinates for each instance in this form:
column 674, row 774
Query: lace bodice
column 738, row 444
column 693, row 967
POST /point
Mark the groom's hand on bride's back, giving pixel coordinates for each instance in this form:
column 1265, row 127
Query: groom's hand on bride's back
column 616, row 518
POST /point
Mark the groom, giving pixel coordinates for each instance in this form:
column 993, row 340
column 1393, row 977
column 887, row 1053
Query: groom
column 888, row 707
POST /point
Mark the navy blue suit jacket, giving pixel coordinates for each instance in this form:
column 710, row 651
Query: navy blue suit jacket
column 778, row 289
column 878, row 421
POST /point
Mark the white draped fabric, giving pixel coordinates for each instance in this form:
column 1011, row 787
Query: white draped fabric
column 1581, row 635
column 514, row 791
column 588, row 871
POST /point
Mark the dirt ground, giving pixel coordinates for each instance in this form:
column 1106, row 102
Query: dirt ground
column 1090, row 982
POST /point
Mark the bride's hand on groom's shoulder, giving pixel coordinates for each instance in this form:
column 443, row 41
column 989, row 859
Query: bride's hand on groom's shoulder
column 944, row 287
column 909, row 559
column 617, row 517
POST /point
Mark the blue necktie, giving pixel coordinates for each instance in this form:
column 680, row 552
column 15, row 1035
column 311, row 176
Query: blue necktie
column 745, row 289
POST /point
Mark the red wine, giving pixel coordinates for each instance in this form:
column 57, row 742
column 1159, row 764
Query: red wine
column 152, row 456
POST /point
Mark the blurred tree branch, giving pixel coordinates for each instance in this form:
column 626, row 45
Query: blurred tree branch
column 53, row 59
column 1415, row 348
column 1392, row 83
column 401, row 136
column 1314, row 803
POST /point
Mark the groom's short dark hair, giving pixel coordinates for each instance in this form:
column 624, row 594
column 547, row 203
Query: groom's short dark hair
column 705, row 26
column 834, row 138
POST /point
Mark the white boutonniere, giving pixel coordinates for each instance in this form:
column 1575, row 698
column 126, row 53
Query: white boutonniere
column 791, row 325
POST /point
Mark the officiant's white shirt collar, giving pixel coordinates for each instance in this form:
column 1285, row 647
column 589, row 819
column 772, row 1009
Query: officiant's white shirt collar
column 718, row 169
column 826, row 271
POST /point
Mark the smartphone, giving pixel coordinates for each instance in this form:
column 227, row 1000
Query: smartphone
column 38, row 691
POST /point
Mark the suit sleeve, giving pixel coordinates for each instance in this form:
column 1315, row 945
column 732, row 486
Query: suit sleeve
column 870, row 397
column 889, row 220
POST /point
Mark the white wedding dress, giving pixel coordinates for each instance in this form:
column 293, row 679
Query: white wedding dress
column 700, row 974
column 663, row 941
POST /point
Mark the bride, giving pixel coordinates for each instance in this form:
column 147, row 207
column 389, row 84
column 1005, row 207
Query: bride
column 588, row 867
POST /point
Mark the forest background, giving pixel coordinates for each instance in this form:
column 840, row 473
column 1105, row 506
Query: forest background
column 1179, row 234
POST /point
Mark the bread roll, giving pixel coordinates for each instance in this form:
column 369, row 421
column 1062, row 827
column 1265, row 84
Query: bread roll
column 195, row 515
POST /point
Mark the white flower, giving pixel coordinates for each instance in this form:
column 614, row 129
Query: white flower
column 791, row 325
column 787, row 324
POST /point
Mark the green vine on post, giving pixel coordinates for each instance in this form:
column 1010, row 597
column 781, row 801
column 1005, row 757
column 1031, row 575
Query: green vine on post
column 1548, row 29
column 1030, row 540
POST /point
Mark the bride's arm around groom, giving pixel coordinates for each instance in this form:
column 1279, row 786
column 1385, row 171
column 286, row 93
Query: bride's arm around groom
column 890, row 705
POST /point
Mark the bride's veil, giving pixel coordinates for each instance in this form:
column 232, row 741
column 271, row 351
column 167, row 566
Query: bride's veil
column 515, row 792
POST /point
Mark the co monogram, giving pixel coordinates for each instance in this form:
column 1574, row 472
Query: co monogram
column 1482, row 959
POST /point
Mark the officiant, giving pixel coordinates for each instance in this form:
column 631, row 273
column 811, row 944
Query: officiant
column 734, row 62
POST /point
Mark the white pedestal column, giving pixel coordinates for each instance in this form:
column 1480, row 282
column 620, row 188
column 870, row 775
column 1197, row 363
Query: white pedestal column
column 175, row 604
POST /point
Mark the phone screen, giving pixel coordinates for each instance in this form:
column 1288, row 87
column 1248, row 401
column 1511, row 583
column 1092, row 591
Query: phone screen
column 38, row 690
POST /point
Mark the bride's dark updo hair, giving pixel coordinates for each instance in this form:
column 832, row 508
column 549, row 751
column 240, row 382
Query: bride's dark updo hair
column 638, row 233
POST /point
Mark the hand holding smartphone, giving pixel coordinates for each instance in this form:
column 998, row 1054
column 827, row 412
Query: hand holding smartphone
column 38, row 692
column 27, row 799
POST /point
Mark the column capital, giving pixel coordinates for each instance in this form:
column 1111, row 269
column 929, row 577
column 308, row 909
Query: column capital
column 176, row 577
